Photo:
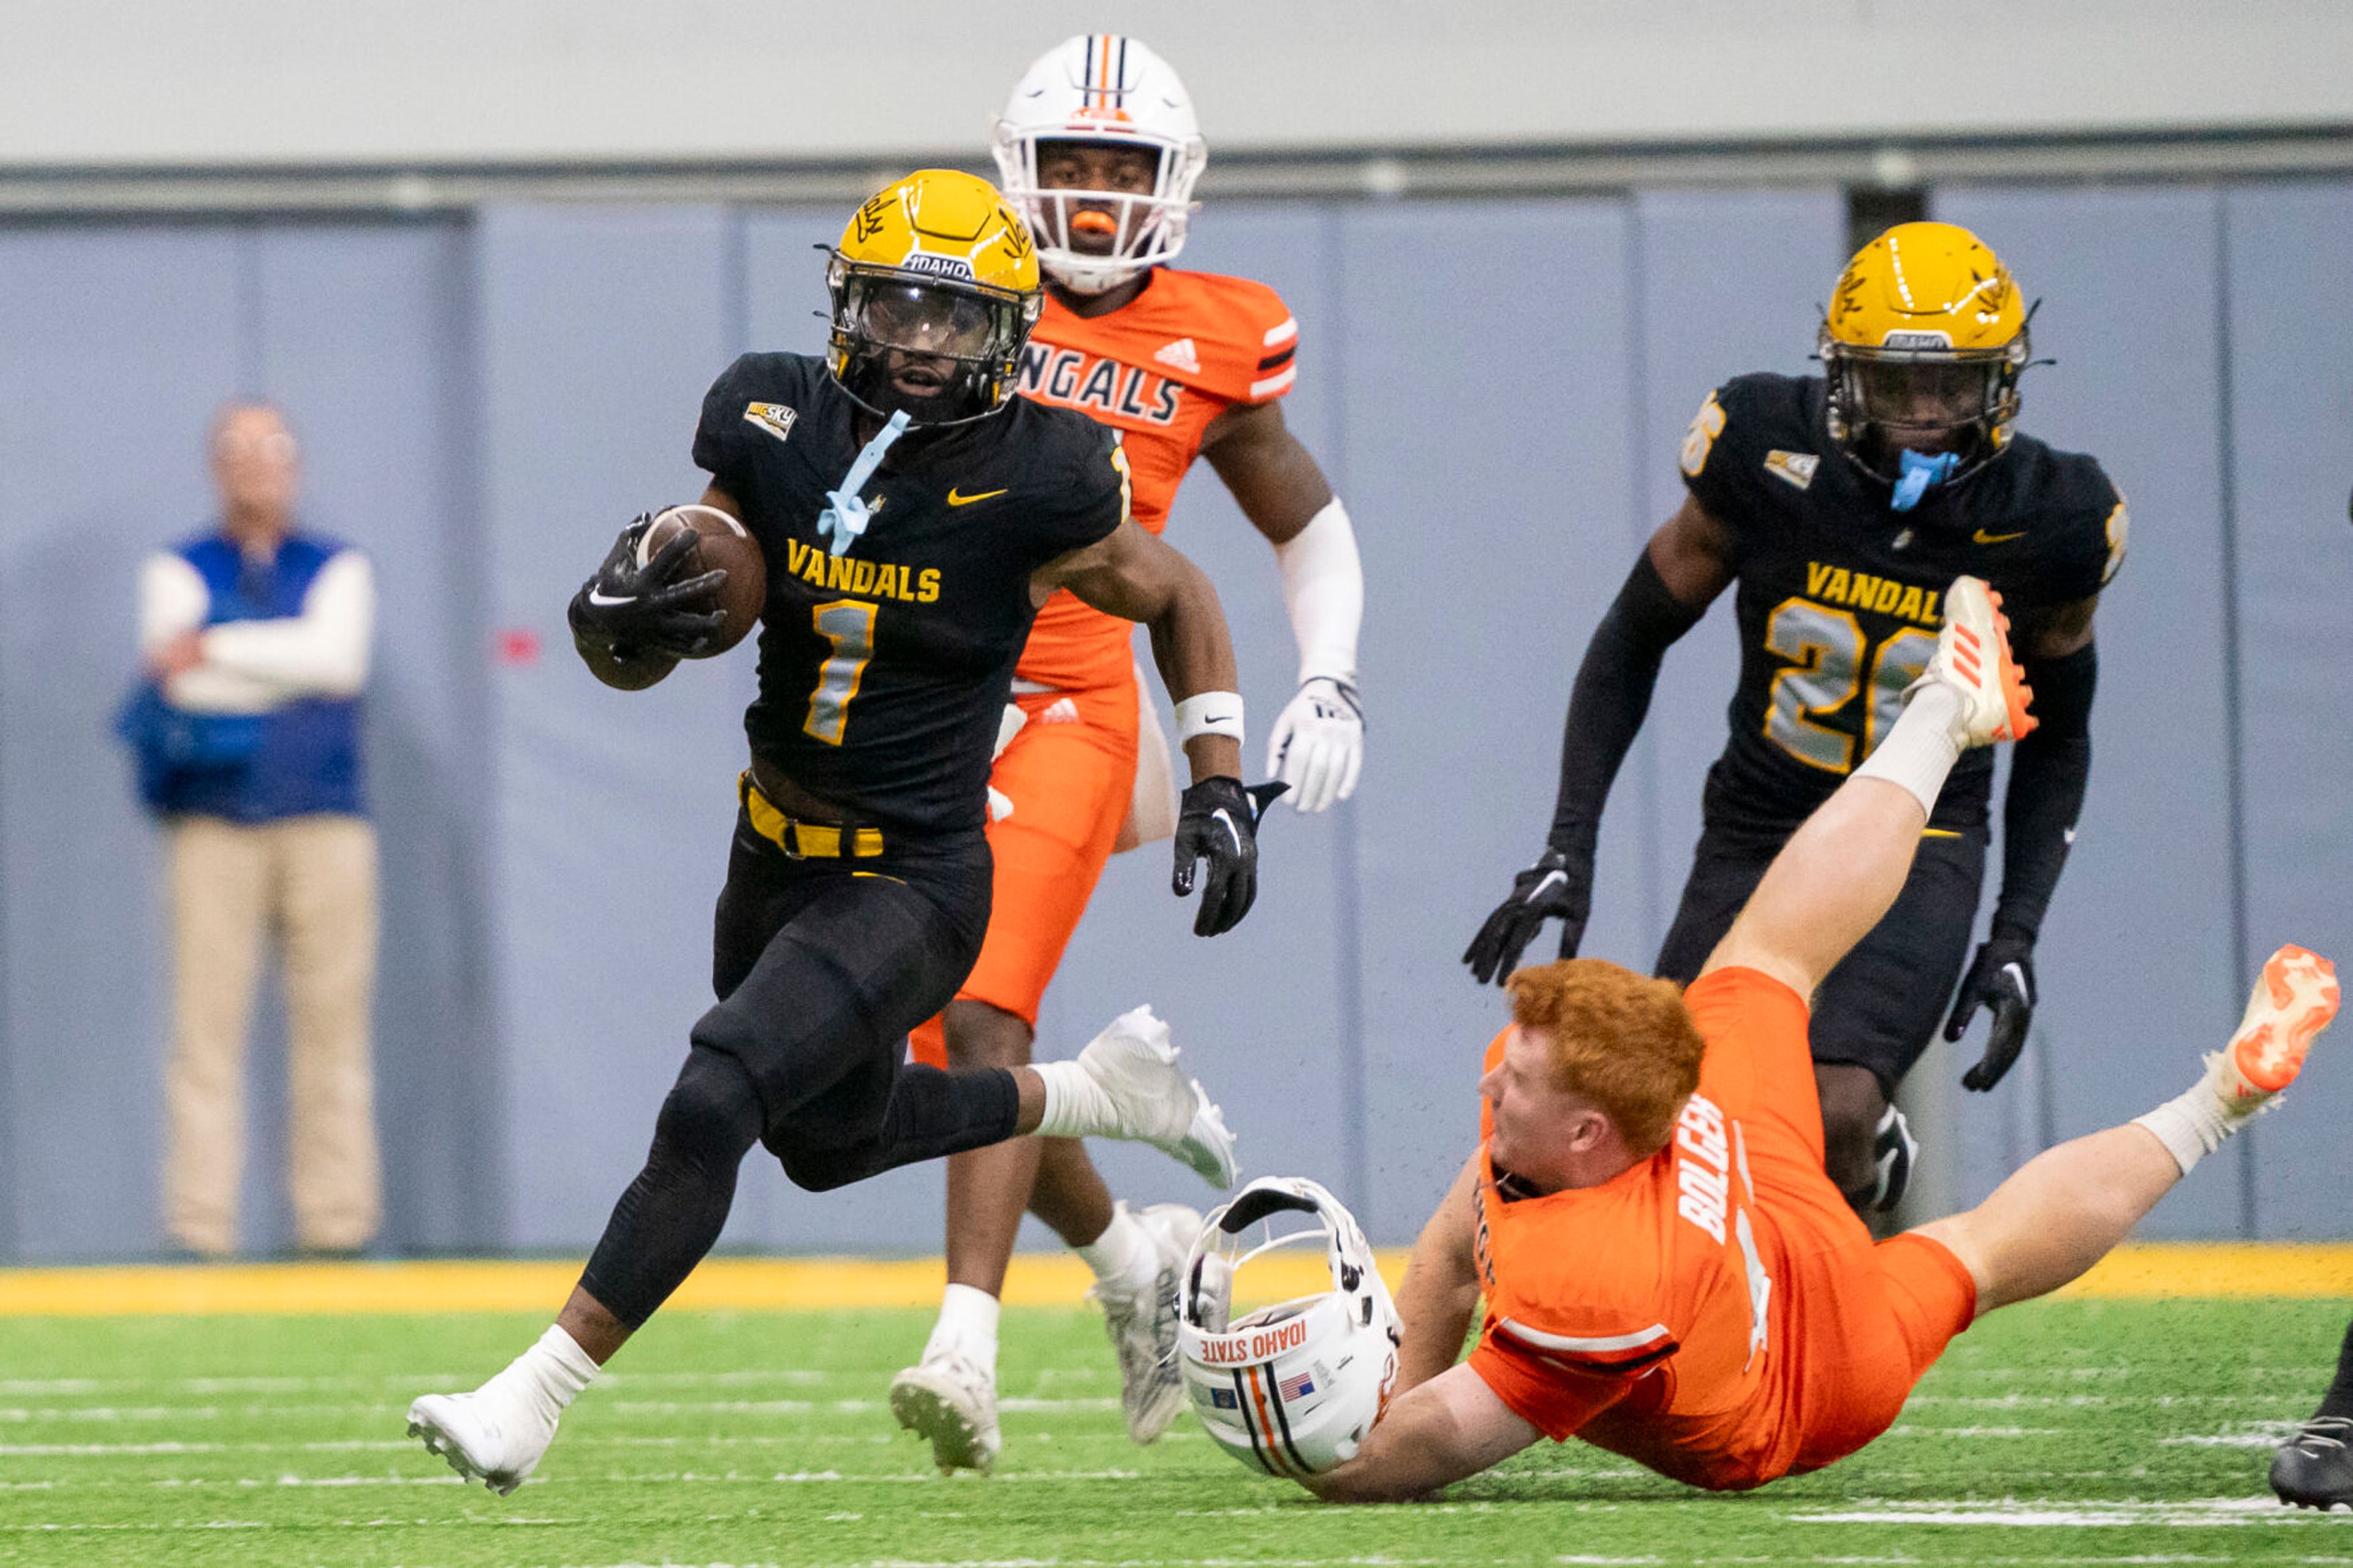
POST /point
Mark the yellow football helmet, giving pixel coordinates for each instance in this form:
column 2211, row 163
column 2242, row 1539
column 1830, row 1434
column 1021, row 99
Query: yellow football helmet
column 1922, row 348
column 934, row 287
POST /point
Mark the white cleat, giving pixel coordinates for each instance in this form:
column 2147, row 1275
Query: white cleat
column 1134, row 1065
column 483, row 1437
column 951, row 1403
column 2293, row 1000
column 1143, row 1327
column 1973, row 658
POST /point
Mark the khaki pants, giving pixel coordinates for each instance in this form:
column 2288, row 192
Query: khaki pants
column 310, row 882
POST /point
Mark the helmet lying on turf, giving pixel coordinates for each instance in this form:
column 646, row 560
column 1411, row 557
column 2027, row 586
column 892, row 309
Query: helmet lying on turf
column 1291, row 1389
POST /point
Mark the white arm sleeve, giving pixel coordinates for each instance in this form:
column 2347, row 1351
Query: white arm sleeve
column 173, row 599
column 322, row 652
column 1324, row 589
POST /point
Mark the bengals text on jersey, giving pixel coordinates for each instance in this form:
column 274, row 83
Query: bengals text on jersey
column 1157, row 369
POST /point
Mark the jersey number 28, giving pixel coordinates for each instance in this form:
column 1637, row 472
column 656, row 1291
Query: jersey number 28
column 1832, row 660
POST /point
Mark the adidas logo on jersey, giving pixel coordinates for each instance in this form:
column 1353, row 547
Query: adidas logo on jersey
column 1061, row 710
column 1181, row 355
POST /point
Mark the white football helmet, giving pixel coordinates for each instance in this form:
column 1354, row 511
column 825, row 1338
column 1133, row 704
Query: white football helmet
column 1291, row 1389
column 1100, row 87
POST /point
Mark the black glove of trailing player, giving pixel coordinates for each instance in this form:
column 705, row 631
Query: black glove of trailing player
column 633, row 611
column 1554, row 886
column 2002, row 977
column 1217, row 820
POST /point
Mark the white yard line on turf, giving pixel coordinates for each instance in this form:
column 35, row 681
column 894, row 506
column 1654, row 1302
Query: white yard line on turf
column 2068, row 1513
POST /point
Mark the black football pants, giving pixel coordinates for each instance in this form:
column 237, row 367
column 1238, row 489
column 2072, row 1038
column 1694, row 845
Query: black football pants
column 1881, row 1006
column 821, row 967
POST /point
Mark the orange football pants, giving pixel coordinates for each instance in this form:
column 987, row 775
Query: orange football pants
column 1069, row 774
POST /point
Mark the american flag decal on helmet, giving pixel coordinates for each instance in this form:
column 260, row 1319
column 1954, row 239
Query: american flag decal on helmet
column 1297, row 1387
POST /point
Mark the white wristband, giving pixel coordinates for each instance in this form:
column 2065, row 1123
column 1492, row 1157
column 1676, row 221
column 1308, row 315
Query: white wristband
column 1210, row 713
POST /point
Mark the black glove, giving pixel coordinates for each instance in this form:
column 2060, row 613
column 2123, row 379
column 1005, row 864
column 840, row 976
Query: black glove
column 2000, row 977
column 1553, row 886
column 1217, row 820
column 633, row 611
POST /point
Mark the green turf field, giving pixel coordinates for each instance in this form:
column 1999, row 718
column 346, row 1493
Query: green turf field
column 2082, row 1432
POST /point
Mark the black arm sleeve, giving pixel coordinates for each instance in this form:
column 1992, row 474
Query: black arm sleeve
column 1612, row 694
column 2047, row 775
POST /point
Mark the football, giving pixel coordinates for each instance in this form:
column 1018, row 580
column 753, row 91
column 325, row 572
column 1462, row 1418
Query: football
column 724, row 546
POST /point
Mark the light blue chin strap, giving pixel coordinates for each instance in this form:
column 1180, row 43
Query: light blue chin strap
column 1918, row 473
column 845, row 520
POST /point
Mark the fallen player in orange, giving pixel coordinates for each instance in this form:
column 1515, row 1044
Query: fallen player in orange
column 1668, row 1272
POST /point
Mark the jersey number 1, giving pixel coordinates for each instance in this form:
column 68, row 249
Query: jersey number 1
column 1827, row 649
column 849, row 626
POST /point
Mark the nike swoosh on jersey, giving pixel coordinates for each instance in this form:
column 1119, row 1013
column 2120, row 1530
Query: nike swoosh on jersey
column 1982, row 537
column 956, row 498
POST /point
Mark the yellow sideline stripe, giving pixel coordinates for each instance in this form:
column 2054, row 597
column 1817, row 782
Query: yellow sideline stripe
column 802, row 1284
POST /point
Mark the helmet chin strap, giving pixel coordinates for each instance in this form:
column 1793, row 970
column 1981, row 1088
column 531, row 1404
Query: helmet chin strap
column 1919, row 471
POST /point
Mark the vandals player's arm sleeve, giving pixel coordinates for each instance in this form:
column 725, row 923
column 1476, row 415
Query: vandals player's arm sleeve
column 2048, row 772
column 1611, row 698
column 2051, row 768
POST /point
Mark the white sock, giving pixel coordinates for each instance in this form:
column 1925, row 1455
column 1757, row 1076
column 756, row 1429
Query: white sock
column 1076, row 1105
column 2194, row 1125
column 549, row 1376
column 1920, row 749
column 1123, row 1256
column 968, row 1326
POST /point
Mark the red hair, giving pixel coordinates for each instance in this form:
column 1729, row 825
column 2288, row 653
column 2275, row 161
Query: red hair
column 1620, row 1039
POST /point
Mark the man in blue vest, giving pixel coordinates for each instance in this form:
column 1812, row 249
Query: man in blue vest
column 254, row 634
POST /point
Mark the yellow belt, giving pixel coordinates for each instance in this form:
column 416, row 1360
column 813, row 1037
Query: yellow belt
column 803, row 840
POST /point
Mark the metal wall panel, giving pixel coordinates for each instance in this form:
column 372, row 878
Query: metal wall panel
column 2291, row 379
column 119, row 342
column 1488, row 434
column 362, row 335
column 2135, row 961
column 1730, row 282
column 599, row 332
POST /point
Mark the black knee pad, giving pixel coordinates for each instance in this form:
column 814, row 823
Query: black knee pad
column 816, row 1168
column 711, row 1115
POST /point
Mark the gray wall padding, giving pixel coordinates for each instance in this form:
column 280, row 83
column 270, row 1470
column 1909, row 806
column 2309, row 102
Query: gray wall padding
column 1497, row 389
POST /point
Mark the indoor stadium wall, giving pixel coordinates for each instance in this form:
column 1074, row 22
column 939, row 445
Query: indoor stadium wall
column 1498, row 388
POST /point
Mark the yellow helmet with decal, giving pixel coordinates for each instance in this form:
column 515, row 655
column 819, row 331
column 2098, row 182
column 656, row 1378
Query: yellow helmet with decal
column 1922, row 347
column 934, row 288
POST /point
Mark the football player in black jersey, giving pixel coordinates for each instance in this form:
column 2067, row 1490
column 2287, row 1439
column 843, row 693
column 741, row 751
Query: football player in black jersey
column 913, row 514
column 1842, row 505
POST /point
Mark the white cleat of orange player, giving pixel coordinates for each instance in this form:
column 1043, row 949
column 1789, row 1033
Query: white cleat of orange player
column 2293, row 1002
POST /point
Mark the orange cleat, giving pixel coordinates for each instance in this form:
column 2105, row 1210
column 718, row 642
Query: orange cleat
column 2293, row 1002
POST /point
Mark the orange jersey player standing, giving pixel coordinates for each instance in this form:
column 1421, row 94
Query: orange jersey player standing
column 1100, row 147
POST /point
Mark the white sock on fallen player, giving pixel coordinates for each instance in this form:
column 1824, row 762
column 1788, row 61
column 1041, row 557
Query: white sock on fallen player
column 1921, row 747
column 967, row 1327
column 1123, row 1257
column 2194, row 1125
column 547, row 1377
